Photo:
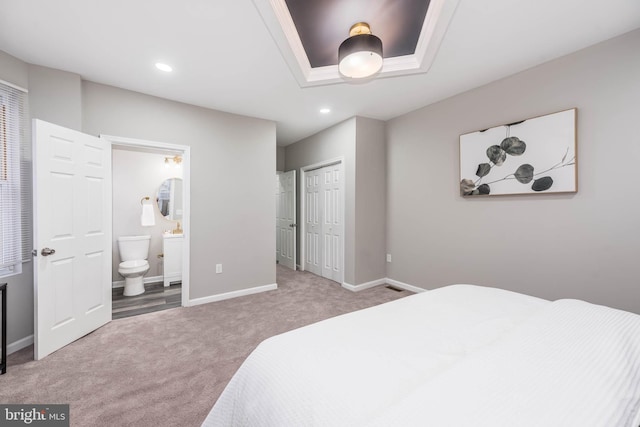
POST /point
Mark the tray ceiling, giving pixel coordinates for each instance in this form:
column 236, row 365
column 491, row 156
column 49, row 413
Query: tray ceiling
column 323, row 25
column 309, row 32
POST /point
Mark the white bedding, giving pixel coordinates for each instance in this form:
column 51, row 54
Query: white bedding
column 459, row 355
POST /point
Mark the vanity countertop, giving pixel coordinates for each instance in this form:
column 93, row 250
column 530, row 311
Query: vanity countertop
column 169, row 235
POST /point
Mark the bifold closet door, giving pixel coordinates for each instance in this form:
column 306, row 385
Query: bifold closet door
column 332, row 222
column 324, row 222
column 313, row 224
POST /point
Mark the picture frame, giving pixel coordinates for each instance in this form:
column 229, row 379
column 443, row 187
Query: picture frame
column 531, row 156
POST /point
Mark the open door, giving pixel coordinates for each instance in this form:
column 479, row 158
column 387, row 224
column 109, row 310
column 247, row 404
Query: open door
column 72, row 235
column 286, row 219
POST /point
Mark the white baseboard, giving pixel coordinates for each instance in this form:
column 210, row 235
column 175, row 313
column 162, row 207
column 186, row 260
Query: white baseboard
column 233, row 294
column 19, row 345
column 405, row 286
column 151, row 279
column 363, row 286
column 385, row 281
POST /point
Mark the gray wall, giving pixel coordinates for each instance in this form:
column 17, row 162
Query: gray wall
column 361, row 142
column 584, row 245
column 370, row 200
column 280, row 159
column 232, row 175
column 337, row 141
column 55, row 96
column 14, row 71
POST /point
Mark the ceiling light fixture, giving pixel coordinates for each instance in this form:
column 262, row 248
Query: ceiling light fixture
column 163, row 67
column 325, row 110
column 360, row 55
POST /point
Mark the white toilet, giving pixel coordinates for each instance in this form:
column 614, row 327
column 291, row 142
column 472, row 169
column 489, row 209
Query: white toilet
column 134, row 251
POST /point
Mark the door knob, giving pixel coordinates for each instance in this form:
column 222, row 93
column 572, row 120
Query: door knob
column 293, row 225
column 47, row 252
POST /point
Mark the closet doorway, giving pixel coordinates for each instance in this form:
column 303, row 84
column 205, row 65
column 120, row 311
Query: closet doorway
column 323, row 200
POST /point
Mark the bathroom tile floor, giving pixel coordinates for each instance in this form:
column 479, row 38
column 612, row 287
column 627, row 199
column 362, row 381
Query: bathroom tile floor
column 155, row 298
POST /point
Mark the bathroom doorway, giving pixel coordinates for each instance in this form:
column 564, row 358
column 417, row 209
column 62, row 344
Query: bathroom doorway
column 150, row 188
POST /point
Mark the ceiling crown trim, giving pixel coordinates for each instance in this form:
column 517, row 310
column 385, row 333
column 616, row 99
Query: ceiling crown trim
column 278, row 20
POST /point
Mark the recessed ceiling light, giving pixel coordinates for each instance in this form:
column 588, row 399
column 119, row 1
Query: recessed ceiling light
column 163, row 67
column 325, row 110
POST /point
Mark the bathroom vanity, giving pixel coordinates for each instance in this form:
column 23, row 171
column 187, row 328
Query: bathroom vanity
column 169, row 199
column 172, row 250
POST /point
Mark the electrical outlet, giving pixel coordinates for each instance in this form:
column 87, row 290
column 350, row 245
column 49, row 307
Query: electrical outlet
column 388, row 257
column 218, row 268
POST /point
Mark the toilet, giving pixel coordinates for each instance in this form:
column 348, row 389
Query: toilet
column 134, row 251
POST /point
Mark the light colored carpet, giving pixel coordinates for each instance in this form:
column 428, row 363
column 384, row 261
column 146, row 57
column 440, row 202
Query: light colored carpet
column 168, row 368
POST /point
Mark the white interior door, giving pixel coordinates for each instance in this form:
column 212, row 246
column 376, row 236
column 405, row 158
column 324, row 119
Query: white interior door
column 72, row 235
column 286, row 219
column 332, row 222
column 324, row 222
column 312, row 222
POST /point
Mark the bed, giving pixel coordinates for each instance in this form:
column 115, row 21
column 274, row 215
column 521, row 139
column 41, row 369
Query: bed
column 460, row 355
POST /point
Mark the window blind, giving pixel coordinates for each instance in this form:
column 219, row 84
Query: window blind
column 12, row 133
column 26, row 180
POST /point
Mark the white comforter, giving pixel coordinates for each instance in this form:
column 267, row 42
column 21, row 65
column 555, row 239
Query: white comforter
column 455, row 356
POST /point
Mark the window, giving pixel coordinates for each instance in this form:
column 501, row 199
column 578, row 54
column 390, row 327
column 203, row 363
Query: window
column 12, row 201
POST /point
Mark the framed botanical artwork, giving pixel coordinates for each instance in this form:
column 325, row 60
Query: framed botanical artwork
column 531, row 156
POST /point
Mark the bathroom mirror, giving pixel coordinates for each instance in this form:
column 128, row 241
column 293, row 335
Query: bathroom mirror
column 170, row 199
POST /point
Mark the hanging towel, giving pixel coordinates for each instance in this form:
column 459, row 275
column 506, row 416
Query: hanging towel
column 147, row 218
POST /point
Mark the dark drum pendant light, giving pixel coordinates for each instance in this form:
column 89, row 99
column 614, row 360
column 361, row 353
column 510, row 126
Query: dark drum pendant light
column 360, row 55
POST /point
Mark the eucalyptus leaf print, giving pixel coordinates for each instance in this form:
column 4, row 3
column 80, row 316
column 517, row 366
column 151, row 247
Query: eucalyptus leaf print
column 496, row 154
column 484, row 189
column 524, row 174
column 513, row 146
column 467, row 186
column 483, row 169
column 535, row 155
column 542, row 184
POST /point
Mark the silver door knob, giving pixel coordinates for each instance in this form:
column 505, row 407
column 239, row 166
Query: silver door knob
column 47, row 252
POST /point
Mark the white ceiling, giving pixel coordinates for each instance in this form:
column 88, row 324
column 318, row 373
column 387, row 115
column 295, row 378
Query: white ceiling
column 224, row 57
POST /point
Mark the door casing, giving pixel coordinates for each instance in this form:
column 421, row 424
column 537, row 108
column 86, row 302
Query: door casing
column 185, row 150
